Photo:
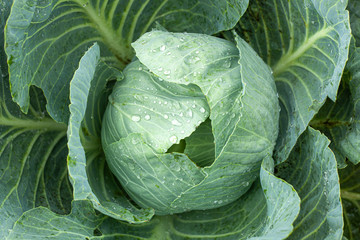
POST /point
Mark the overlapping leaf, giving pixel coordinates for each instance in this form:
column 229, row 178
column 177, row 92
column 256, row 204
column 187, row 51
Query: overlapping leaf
column 241, row 103
column 46, row 39
column 32, row 153
column 311, row 169
column 41, row 223
column 306, row 44
column 5, row 6
column 350, row 195
column 340, row 121
column 88, row 171
column 353, row 7
column 267, row 212
column 32, row 159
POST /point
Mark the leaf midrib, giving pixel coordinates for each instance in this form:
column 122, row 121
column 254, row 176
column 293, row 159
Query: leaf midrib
column 45, row 124
column 116, row 43
column 287, row 59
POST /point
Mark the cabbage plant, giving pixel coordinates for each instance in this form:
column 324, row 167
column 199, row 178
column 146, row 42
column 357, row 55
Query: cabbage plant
column 129, row 119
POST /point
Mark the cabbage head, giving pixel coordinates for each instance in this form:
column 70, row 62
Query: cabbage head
column 189, row 125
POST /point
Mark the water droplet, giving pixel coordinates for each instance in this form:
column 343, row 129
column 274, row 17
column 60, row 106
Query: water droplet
column 160, row 69
column 181, row 39
column 140, row 68
column 162, row 48
column 165, row 102
column 136, row 118
column 166, row 116
column 189, row 113
column 176, row 122
column 227, row 64
column 173, row 139
column 182, row 131
column 193, row 106
column 134, row 141
column 147, row 117
column 202, row 109
column 167, row 72
column 197, row 52
column 168, row 53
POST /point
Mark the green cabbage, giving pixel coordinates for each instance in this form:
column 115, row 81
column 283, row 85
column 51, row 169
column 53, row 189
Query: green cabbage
column 189, row 125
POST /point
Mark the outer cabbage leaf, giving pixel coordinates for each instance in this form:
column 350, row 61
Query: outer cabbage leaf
column 311, row 169
column 32, row 159
column 350, row 195
column 5, row 6
column 306, row 44
column 266, row 212
column 88, row 171
column 353, row 8
column 340, row 121
column 41, row 223
column 46, row 39
column 244, row 131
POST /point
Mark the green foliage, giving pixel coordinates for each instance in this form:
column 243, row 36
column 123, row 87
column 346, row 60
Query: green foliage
column 164, row 119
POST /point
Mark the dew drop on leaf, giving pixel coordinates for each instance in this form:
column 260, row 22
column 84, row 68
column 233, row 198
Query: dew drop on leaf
column 176, row 122
column 173, row 139
column 189, row 113
column 136, row 118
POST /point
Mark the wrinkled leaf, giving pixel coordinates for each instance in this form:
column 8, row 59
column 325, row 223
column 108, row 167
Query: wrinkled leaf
column 267, row 212
column 340, row 121
column 88, row 171
column 306, row 44
column 32, row 159
column 41, row 223
column 5, row 6
column 46, row 39
column 353, row 7
column 311, row 169
column 350, row 195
